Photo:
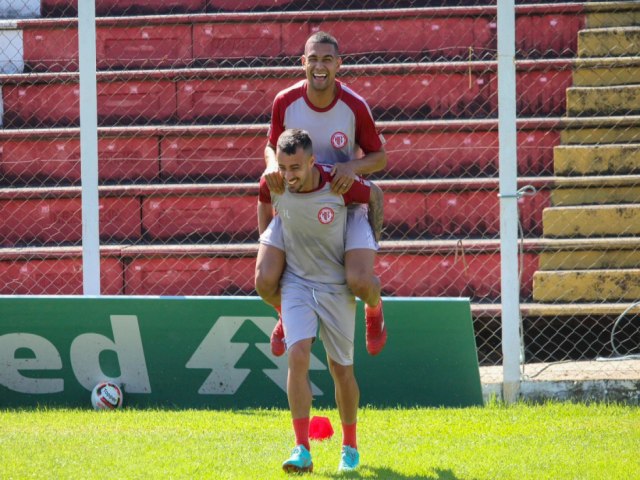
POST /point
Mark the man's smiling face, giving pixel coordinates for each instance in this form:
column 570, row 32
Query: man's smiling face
column 321, row 63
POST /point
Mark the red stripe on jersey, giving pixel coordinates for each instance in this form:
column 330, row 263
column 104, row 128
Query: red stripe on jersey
column 367, row 136
column 360, row 192
column 264, row 194
column 283, row 99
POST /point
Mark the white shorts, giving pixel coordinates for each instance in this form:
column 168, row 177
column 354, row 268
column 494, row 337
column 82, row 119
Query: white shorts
column 306, row 310
column 359, row 233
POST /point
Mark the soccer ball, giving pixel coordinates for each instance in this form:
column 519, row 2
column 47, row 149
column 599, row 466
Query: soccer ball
column 106, row 396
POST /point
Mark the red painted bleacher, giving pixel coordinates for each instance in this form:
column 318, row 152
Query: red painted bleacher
column 415, row 33
column 431, row 268
column 59, row 276
column 206, row 125
column 173, row 217
column 476, row 275
column 58, row 220
column 245, row 95
column 118, row 7
column 413, row 209
column 416, row 150
column 189, row 276
column 42, row 159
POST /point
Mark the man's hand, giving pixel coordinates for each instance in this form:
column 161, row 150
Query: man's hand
column 343, row 178
column 274, row 179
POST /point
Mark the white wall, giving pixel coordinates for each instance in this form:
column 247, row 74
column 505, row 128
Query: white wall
column 11, row 48
column 19, row 8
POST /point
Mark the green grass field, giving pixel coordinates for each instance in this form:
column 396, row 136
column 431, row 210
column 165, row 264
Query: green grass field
column 552, row 441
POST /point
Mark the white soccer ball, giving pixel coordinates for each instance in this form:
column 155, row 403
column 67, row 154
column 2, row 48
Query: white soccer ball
column 106, row 396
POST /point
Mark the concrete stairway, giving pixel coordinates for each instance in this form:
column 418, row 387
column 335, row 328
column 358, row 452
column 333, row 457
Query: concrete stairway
column 593, row 225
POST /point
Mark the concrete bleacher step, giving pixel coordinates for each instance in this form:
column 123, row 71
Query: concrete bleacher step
column 586, row 253
column 600, row 189
column 609, row 42
column 226, row 212
column 461, row 33
column 459, row 267
column 600, row 130
column 604, row 100
column 597, row 72
column 225, row 95
column 612, row 14
column 603, row 159
column 591, row 220
column 422, row 149
column 595, row 217
column 434, row 267
column 593, row 285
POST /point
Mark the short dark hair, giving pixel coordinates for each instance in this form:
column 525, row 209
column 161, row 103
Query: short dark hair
column 322, row 37
column 294, row 138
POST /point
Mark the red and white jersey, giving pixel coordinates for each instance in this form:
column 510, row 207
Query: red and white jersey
column 314, row 226
column 336, row 131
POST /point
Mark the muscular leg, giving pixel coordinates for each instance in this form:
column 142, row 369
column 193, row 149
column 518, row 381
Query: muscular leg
column 298, row 387
column 365, row 285
column 347, row 391
column 360, row 276
column 269, row 268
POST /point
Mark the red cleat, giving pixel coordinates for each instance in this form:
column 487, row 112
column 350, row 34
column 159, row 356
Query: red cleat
column 277, row 339
column 376, row 329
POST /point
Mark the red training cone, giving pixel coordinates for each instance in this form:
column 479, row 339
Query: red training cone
column 320, row 428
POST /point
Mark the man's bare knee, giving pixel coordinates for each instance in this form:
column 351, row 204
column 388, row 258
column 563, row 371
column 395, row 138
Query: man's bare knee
column 341, row 373
column 359, row 283
column 266, row 284
column 269, row 268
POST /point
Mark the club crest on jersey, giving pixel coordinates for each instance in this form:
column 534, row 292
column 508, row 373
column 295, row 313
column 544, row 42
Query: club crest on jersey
column 326, row 215
column 338, row 140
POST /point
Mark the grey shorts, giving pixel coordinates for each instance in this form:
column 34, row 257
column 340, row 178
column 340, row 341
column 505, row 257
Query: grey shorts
column 306, row 310
column 359, row 233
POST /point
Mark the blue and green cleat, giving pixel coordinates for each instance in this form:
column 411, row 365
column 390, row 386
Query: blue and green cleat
column 299, row 461
column 349, row 459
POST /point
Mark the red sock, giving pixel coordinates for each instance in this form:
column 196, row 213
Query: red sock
column 301, row 429
column 349, row 435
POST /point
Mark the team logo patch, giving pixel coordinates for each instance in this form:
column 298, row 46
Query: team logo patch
column 325, row 215
column 338, row 140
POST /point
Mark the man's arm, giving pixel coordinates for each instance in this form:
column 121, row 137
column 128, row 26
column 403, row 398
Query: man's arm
column 265, row 215
column 345, row 173
column 372, row 162
column 376, row 207
column 272, row 174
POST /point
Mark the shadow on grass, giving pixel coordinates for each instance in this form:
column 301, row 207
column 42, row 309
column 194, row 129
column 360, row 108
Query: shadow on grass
column 390, row 474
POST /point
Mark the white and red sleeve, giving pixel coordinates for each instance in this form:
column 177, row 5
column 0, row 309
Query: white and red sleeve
column 264, row 194
column 279, row 109
column 367, row 135
column 360, row 192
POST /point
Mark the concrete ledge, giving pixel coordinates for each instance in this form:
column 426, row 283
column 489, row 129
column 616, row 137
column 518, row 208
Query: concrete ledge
column 596, row 159
column 586, row 259
column 542, row 310
column 609, row 42
column 604, row 379
column 592, row 220
column 595, row 195
column 623, row 391
column 587, row 285
column 606, row 100
column 600, row 130
column 613, row 19
column 586, row 76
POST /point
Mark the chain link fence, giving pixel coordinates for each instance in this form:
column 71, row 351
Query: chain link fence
column 184, row 96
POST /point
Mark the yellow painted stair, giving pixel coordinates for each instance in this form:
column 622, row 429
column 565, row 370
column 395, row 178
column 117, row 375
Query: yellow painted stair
column 591, row 246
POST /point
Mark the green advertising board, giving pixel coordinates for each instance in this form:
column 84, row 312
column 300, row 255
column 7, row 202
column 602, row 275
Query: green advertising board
column 213, row 352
